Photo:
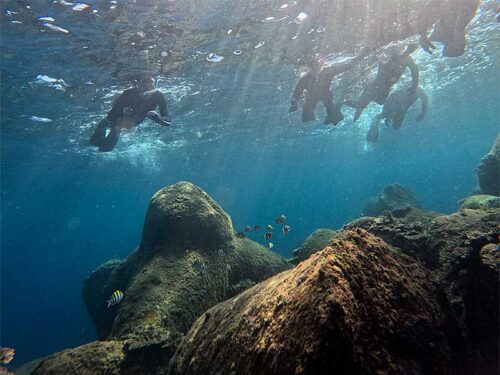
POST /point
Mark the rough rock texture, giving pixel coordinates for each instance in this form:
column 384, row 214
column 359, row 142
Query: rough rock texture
column 164, row 291
column 393, row 197
column 316, row 241
column 488, row 171
column 289, row 319
column 100, row 357
column 357, row 307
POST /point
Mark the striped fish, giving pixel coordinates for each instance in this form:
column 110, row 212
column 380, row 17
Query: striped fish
column 115, row 298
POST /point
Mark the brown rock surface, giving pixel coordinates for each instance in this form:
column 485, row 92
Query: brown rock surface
column 356, row 307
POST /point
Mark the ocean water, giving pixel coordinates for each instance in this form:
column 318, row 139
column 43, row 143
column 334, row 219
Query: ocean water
column 66, row 209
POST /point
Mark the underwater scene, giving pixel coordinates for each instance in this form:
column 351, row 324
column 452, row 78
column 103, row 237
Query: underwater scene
column 249, row 187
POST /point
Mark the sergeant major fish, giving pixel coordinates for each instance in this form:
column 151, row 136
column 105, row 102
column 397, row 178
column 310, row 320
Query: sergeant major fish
column 115, row 298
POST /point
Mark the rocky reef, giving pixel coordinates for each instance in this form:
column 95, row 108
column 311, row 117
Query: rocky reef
column 488, row 171
column 358, row 306
column 363, row 306
column 409, row 291
column 188, row 260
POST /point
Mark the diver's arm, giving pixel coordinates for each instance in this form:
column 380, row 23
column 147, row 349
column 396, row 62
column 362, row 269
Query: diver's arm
column 414, row 74
column 338, row 68
column 426, row 19
column 425, row 104
column 163, row 120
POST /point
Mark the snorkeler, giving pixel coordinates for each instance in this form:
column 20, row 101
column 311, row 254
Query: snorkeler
column 317, row 84
column 449, row 18
column 131, row 108
column 391, row 67
column 395, row 108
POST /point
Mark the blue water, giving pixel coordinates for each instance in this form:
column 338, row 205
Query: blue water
column 66, row 209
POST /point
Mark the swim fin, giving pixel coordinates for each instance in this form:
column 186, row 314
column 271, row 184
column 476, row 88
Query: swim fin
column 111, row 140
column 99, row 136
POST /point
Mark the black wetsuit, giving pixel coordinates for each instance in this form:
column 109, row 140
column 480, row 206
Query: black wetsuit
column 132, row 106
column 395, row 108
column 317, row 86
column 388, row 75
column 449, row 18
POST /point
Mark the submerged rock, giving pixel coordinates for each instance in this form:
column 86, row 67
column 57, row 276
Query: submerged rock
column 393, row 197
column 477, row 202
column 488, row 171
column 188, row 261
column 356, row 307
column 316, row 241
column 361, row 306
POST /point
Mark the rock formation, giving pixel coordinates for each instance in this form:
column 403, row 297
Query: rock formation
column 319, row 317
column 316, row 241
column 393, row 197
column 188, row 261
column 488, row 171
column 356, row 307
column 406, row 292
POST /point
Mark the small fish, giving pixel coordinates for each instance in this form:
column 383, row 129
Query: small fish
column 240, row 235
column 256, row 227
column 286, row 229
column 6, row 355
column 281, row 219
column 115, row 298
column 221, row 252
column 248, row 228
column 268, row 235
column 270, row 245
column 199, row 266
column 269, row 227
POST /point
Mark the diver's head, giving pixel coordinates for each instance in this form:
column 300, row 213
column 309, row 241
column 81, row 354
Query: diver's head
column 317, row 63
column 146, row 84
column 390, row 53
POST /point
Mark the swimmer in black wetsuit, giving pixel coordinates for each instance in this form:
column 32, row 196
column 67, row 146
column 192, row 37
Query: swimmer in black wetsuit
column 317, row 84
column 131, row 108
column 449, row 18
column 390, row 69
column 395, row 108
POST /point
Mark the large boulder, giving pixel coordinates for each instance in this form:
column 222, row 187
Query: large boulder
column 356, row 307
column 480, row 201
column 393, row 197
column 189, row 260
column 316, row 241
column 488, row 171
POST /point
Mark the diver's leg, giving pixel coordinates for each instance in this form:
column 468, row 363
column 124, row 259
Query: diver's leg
column 99, row 134
column 363, row 102
column 308, row 112
column 333, row 113
column 372, row 135
column 111, row 140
